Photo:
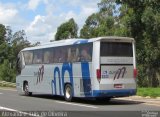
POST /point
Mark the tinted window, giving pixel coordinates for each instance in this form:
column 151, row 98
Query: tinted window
column 48, row 55
column 74, row 53
column 37, row 57
column 79, row 53
column 60, row 54
column 19, row 64
column 28, row 57
column 116, row 49
column 85, row 52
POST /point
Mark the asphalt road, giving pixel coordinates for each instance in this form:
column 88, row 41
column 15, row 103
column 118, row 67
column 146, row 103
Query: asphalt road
column 11, row 101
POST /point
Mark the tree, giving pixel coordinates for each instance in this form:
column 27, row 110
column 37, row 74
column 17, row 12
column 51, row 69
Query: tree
column 141, row 20
column 137, row 19
column 90, row 28
column 101, row 23
column 6, row 72
column 10, row 46
column 67, row 30
column 2, row 33
column 3, row 44
column 8, row 34
column 19, row 42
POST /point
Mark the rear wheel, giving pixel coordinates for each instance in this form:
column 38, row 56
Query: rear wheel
column 68, row 93
column 26, row 89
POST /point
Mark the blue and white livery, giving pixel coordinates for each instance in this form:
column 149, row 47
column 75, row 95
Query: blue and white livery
column 103, row 67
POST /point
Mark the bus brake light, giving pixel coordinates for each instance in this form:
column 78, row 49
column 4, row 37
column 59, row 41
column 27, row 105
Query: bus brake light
column 135, row 73
column 98, row 72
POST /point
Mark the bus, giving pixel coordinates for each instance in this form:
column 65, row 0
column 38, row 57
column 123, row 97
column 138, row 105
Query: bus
column 100, row 68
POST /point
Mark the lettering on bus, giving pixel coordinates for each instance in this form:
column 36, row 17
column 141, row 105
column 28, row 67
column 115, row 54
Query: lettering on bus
column 120, row 72
column 39, row 74
column 105, row 74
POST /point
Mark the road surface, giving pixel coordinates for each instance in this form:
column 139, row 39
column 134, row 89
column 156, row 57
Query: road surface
column 11, row 101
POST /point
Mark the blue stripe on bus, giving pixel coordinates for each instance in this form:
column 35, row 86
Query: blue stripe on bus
column 86, row 78
column 67, row 67
column 111, row 93
column 81, row 41
column 52, row 84
column 56, row 70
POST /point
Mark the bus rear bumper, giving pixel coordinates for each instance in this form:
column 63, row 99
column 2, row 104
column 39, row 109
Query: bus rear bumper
column 114, row 93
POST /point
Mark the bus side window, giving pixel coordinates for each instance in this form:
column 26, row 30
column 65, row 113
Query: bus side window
column 28, row 57
column 19, row 64
column 63, row 53
column 86, row 52
column 47, row 56
column 73, row 54
column 56, row 55
column 37, row 57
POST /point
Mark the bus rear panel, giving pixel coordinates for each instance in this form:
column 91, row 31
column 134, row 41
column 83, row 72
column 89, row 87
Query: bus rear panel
column 116, row 75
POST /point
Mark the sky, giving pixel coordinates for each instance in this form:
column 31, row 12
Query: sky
column 40, row 18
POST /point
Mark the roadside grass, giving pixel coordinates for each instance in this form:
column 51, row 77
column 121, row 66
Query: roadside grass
column 7, row 85
column 152, row 92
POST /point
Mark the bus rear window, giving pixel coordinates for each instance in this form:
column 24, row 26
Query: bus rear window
column 115, row 49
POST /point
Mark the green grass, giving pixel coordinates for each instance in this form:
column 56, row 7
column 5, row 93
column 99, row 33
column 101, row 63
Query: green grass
column 5, row 85
column 152, row 92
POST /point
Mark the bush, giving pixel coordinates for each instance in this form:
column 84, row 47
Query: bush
column 6, row 72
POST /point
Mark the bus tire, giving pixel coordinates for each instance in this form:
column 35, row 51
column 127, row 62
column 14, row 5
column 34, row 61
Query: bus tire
column 68, row 93
column 26, row 90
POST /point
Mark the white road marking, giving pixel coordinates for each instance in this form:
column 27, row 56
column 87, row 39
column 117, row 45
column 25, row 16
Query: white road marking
column 13, row 110
column 76, row 104
column 1, row 93
column 148, row 102
column 152, row 104
column 8, row 89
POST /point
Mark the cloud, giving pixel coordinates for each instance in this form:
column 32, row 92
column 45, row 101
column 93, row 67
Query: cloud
column 38, row 28
column 10, row 16
column 7, row 14
column 42, row 25
column 80, row 17
column 32, row 4
column 43, row 28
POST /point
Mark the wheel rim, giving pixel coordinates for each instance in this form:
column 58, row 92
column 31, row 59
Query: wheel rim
column 68, row 92
column 26, row 89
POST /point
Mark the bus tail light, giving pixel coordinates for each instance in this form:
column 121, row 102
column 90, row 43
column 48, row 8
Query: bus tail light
column 98, row 72
column 135, row 73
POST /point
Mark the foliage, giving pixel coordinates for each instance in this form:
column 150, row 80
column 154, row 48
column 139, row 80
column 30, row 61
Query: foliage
column 67, row 30
column 152, row 92
column 132, row 18
column 6, row 72
column 101, row 23
column 3, row 46
column 10, row 46
column 142, row 19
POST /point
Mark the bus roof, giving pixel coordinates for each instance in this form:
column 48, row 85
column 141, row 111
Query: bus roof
column 77, row 41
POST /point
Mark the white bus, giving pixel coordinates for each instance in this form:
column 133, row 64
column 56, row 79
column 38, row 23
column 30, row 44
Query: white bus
column 103, row 67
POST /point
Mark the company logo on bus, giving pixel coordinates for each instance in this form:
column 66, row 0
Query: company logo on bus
column 39, row 74
column 120, row 73
column 105, row 74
